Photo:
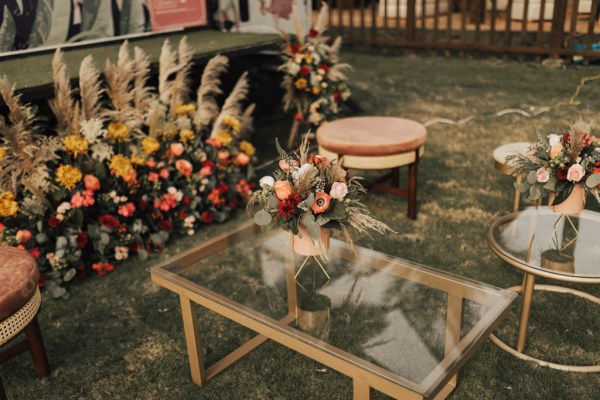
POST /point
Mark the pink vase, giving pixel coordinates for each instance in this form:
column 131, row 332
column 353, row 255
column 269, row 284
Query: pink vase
column 305, row 245
column 574, row 204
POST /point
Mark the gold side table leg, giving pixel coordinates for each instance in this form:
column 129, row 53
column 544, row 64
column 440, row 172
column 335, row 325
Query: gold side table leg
column 453, row 325
column 362, row 390
column 192, row 339
column 517, row 201
column 528, row 284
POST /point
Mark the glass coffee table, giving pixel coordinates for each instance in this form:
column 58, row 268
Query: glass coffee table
column 389, row 324
column 542, row 243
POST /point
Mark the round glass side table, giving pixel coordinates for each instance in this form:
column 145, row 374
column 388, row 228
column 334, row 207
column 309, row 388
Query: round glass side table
column 542, row 243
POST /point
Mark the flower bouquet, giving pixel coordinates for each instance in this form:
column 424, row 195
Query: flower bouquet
column 308, row 194
column 558, row 166
column 314, row 80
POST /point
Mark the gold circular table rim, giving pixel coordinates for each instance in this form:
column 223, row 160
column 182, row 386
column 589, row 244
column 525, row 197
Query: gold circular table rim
column 562, row 367
column 523, row 266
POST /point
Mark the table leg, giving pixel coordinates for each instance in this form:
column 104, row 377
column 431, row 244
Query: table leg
column 192, row 339
column 528, row 284
column 412, row 189
column 453, row 325
column 362, row 390
column 517, row 201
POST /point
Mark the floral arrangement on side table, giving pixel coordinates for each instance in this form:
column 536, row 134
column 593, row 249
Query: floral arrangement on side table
column 308, row 193
column 559, row 165
column 315, row 80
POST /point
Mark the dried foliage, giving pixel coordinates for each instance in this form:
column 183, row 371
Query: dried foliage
column 233, row 104
column 210, row 88
column 89, row 89
column 167, row 67
column 62, row 104
column 142, row 93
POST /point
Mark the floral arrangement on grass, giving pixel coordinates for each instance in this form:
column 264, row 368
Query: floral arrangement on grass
column 128, row 166
column 556, row 163
column 308, row 190
column 314, row 80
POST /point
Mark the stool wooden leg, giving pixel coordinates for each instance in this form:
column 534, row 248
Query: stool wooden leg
column 2, row 392
column 412, row 190
column 36, row 348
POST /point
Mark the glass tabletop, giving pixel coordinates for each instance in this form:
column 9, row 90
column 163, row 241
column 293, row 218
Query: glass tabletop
column 550, row 244
column 385, row 314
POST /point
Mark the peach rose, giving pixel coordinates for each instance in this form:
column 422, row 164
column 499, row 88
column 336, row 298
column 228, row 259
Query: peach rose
column 152, row 176
column 164, row 173
column 556, row 149
column 176, row 149
column 222, row 155
column 184, row 167
column 91, row 182
column 543, row 175
column 206, row 171
column 575, row 173
column 283, row 189
column 242, row 159
column 339, row 190
column 23, row 236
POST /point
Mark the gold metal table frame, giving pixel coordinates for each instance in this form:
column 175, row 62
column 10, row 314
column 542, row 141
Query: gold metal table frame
column 366, row 376
column 527, row 289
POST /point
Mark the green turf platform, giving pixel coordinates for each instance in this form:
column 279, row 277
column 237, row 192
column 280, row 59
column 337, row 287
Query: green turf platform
column 32, row 73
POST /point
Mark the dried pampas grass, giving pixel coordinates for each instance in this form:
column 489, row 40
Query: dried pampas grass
column 210, row 88
column 62, row 104
column 90, row 90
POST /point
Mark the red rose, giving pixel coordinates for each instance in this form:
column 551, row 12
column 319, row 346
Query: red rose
column 108, row 221
column 561, row 173
column 143, row 204
column 108, row 267
column 165, row 225
column 207, row 217
column 566, row 137
column 304, row 71
column 53, row 222
column 233, row 205
column 182, row 214
column 223, row 188
column 186, row 200
column 82, row 239
column 337, row 96
column 324, row 67
column 42, row 281
column 35, row 253
column 295, row 48
column 208, row 163
column 313, row 32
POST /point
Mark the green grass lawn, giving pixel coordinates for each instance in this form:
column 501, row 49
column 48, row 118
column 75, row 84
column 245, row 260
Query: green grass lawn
column 120, row 336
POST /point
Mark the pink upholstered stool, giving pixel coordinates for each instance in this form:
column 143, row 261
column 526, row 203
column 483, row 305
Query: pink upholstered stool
column 378, row 143
column 20, row 301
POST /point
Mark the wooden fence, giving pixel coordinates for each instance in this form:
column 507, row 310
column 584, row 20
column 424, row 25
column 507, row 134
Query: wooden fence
column 539, row 28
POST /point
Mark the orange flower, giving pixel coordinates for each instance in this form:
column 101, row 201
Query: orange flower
column 91, row 182
column 184, row 167
column 283, row 189
column 321, row 203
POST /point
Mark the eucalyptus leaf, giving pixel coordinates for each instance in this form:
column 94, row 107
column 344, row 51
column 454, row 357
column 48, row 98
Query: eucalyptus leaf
column 262, row 218
column 522, row 187
column 532, row 177
column 104, row 238
column 61, row 242
column 41, row 238
column 314, row 231
column 220, row 216
column 59, row 292
column 550, row 185
column 273, row 202
column 77, row 217
column 70, row 274
column 535, row 193
column 156, row 239
column 164, row 235
column 53, row 275
column 50, row 285
column 40, row 226
column 593, row 180
column 142, row 255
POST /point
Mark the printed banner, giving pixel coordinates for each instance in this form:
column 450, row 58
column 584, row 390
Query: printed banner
column 262, row 16
column 168, row 14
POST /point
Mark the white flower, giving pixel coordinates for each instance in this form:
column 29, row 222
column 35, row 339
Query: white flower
column 188, row 222
column 63, row 207
column 101, row 151
column 178, row 194
column 296, row 173
column 190, row 232
column 121, row 252
column 553, row 139
column 339, row 190
column 293, row 68
column 92, row 130
column 266, row 181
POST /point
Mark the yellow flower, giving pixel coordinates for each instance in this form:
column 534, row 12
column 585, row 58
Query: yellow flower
column 308, row 59
column 301, row 84
column 186, row 134
column 185, row 109
column 68, row 176
column 8, row 205
column 247, row 148
column 224, row 137
column 2, row 154
column 150, row 145
column 118, row 131
column 137, row 160
column 75, row 144
column 316, row 90
column 231, row 122
column 120, row 165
